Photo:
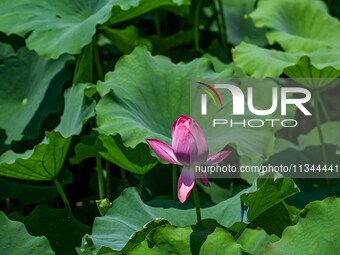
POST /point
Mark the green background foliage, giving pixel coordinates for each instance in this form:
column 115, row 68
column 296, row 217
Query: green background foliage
column 83, row 83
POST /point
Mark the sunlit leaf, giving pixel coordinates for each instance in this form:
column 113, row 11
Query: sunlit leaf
column 129, row 214
column 150, row 92
column 254, row 241
column 298, row 25
column 319, row 222
column 56, row 27
column 16, row 240
column 318, row 66
column 66, row 26
column 167, row 239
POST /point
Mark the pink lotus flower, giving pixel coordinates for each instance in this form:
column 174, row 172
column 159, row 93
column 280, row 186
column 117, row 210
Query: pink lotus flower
column 189, row 149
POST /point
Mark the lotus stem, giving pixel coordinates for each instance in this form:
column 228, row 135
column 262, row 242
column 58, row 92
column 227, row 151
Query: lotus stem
column 62, row 194
column 100, row 175
column 197, row 206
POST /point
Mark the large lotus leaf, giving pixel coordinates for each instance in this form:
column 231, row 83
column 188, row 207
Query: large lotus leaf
column 41, row 163
column 56, row 27
column 150, row 92
column 270, row 192
column 126, row 39
column 52, row 104
column 15, row 240
column 240, row 28
column 261, row 63
column 298, row 25
column 60, row 227
column 24, row 80
column 66, row 26
column 266, row 206
column 46, row 159
column 320, row 223
column 167, row 239
column 137, row 160
column 129, row 214
column 220, row 66
column 254, row 144
column 77, row 110
column 254, row 241
column 330, row 131
column 133, row 8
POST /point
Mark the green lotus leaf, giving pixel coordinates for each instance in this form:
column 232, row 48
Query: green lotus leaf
column 318, row 67
column 88, row 147
column 298, row 25
column 16, row 240
column 129, row 214
column 61, row 228
column 24, row 81
column 270, row 192
column 136, row 160
column 126, row 39
column 239, row 27
column 133, row 8
column 254, row 241
column 167, row 239
column 42, row 163
column 66, row 26
column 77, row 110
column 46, row 159
column 151, row 92
column 56, row 27
column 319, row 222
column 220, row 66
column 330, row 130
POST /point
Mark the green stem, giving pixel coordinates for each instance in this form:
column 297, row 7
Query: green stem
column 99, row 68
column 141, row 185
column 317, row 99
column 323, row 108
column 62, row 194
column 100, row 174
column 124, row 178
column 196, row 26
column 197, row 206
column 222, row 28
column 157, row 23
column 174, row 182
